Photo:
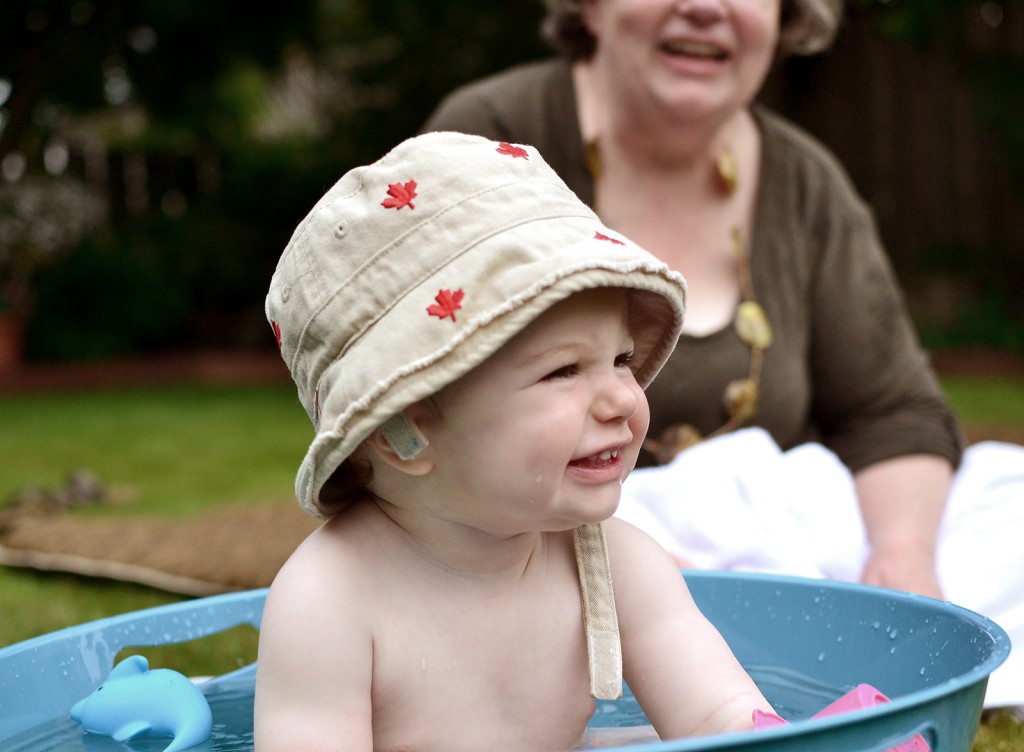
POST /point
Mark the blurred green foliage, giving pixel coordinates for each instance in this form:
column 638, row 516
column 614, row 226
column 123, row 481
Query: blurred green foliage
column 213, row 127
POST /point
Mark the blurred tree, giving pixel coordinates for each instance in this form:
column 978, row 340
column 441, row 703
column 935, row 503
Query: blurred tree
column 210, row 133
column 63, row 58
column 401, row 56
column 146, row 102
column 210, row 128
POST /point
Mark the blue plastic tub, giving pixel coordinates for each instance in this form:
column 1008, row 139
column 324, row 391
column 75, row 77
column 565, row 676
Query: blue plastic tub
column 805, row 641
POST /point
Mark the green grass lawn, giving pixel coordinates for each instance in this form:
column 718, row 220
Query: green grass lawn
column 171, row 450
column 991, row 405
column 177, row 450
column 161, row 451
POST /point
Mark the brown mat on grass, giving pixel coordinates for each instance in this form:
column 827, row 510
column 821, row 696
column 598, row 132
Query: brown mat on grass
column 235, row 547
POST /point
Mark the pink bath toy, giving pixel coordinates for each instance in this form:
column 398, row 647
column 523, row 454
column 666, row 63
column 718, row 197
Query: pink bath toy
column 861, row 696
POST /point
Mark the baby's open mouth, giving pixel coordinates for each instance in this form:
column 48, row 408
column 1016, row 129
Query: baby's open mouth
column 596, row 460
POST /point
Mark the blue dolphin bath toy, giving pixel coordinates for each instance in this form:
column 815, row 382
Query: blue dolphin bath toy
column 134, row 701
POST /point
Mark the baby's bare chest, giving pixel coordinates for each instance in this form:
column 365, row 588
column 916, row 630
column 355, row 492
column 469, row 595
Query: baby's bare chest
column 482, row 677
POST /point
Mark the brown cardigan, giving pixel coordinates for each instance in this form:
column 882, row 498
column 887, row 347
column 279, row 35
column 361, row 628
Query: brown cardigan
column 845, row 367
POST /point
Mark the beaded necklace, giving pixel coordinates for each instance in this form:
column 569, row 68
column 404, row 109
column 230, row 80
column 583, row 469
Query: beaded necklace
column 750, row 322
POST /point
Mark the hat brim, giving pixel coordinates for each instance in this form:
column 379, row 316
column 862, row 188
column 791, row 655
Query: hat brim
column 354, row 403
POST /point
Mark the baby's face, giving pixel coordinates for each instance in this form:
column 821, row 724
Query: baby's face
column 546, row 429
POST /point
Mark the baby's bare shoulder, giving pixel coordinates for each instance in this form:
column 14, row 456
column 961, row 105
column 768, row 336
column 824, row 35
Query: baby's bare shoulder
column 331, row 566
column 626, row 541
column 314, row 671
column 644, row 574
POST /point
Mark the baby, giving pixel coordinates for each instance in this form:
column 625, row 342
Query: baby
column 471, row 345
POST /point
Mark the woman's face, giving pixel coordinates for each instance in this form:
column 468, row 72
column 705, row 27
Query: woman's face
column 698, row 58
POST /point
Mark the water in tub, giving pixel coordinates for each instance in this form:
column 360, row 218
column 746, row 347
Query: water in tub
column 615, row 723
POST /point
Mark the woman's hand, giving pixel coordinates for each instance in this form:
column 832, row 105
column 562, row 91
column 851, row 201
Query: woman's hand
column 902, row 501
column 911, row 569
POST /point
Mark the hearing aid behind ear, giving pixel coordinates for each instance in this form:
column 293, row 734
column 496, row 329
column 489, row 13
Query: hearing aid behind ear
column 403, row 436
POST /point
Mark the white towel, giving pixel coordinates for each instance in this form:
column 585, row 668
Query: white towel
column 738, row 502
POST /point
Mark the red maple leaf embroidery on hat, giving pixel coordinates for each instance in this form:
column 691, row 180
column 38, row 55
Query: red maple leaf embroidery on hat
column 504, row 147
column 601, row 236
column 400, row 195
column 277, row 333
column 448, row 303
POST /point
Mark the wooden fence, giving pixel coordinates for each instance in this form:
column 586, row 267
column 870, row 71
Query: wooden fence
column 907, row 125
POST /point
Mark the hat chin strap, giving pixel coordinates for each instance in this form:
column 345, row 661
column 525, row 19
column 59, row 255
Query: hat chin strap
column 604, row 650
column 403, row 436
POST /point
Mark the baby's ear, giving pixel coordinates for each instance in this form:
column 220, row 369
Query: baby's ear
column 401, row 444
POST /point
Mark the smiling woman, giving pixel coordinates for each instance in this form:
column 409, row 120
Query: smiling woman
column 795, row 321
column 794, row 318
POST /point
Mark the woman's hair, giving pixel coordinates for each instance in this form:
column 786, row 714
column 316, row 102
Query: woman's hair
column 805, row 27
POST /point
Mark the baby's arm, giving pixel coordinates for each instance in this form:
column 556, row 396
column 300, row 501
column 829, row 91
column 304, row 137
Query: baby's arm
column 680, row 668
column 314, row 667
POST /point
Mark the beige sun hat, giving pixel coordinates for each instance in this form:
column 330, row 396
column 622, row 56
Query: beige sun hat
column 411, row 271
